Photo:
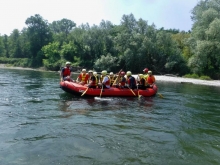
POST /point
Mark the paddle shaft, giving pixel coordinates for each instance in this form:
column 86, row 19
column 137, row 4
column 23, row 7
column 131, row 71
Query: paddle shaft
column 101, row 91
column 117, row 77
column 85, row 91
column 132, row 91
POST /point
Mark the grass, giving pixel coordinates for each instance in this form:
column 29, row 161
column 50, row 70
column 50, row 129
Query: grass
column 195, row 76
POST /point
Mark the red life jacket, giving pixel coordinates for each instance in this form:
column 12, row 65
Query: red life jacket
column 150, row 79
column 66, row 72
column 84, row 77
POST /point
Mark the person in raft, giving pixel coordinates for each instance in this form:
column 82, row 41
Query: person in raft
column 106, row 80
column 131, row 82
column 96, row 75
column 145, row 72
column 65, row 73
column 93, row 80
column 112, row 78
column 121, row 80
column 150, row 79
column 141, row 83
column 83, row 77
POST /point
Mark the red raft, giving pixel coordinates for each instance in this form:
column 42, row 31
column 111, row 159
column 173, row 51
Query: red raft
column 78, row 89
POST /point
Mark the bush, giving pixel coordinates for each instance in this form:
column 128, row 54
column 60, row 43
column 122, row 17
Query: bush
column 205, row 78
column 191, row 76
column 22, row 62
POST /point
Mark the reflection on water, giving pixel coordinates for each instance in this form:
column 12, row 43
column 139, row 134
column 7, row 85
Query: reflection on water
column 41, row 124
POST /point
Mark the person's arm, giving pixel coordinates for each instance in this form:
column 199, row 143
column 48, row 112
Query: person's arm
column 78, row 78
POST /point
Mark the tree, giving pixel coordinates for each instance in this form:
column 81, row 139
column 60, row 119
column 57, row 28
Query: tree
column 52, row 54
column 2, row 47
column 39, row 35
column 206, row 33
column 62, row 28
column 15, row 45
column 107, row 62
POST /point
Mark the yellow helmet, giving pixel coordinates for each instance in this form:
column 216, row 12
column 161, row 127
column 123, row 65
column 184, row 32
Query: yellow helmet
column 141, row 75
column 104, row 72
column 128, row 73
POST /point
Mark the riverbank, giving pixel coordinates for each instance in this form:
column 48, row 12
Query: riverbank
column 164, row 78
column 187, row 80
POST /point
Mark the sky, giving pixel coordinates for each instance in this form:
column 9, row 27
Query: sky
column 174, row 14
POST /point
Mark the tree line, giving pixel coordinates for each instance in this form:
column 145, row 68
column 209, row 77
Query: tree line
column 131, row 45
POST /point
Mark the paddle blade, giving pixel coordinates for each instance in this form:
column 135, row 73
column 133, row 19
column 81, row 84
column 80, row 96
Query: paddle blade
column 160, row 95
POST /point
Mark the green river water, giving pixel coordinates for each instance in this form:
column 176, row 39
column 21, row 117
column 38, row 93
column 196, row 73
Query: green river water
column 42, row 125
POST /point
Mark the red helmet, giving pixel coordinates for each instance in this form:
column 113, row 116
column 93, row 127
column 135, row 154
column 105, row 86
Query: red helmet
column 145, row 70
column 122, row 73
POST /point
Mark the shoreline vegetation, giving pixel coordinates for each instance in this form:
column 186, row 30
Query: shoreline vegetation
column 133, row 44
column 163, row 78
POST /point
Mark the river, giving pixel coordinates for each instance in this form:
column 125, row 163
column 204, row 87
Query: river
column 40, row 124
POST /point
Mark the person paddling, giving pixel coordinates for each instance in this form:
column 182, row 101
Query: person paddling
column 141, row 82
column 106, row 80
column 145, row 72
column 83, row 77
column 65, row 73
column 122, row 80
column 150, row 79
column 131, row 82
column 93, row 80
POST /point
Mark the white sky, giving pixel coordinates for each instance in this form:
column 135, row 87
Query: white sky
column 163, row 13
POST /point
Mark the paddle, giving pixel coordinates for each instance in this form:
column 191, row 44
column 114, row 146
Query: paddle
column 85, row 91
column 132, row 91
column 160, row 95
column 101, row 91
column 117, row 77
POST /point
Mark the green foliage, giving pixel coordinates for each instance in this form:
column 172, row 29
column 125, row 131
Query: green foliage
column 68, row 51
column 195, row 76
column 38, row 33
column 23, row 62
column 107, row 62
column 2, row 47
column 132, row 45
column 206, row 37
column 205, row 78
column 52, row 54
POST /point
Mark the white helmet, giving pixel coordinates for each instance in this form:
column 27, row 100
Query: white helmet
column 68, row 63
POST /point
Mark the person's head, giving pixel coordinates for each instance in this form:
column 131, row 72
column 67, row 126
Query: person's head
column 111, row 74
column 141, row 75
column 90, row 72
column 122, row 73
column 83, row 71
column 128, row 73
column 68, row 64
column 95, row 73
column 104, row 72
column 150, row 72
column 145, row 70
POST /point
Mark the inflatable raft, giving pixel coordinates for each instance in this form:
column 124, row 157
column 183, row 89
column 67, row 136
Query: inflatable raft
column 78, row 89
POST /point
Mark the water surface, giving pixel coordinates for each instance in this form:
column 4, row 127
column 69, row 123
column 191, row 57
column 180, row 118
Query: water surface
column 41, row 124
